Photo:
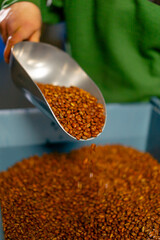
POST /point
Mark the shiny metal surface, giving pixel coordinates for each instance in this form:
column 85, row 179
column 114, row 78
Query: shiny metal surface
column 40, row 62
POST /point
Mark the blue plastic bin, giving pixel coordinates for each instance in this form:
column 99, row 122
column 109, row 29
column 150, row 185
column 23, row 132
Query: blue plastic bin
column 27, row 132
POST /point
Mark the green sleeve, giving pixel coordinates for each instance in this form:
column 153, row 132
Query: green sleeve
column 50, row 14
column 57, row 3
column 7, row 3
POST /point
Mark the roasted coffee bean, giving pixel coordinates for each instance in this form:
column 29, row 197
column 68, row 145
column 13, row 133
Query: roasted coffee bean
column 78, row 111
column 97, row 192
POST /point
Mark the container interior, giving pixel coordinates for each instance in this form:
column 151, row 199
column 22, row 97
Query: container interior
column 27, row 132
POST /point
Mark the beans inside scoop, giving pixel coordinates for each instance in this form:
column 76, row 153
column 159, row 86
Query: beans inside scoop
column 78, row 111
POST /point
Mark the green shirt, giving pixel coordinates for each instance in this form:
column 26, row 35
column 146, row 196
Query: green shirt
column 116, row 42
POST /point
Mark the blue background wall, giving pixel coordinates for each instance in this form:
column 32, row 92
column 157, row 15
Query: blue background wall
column 1, row 48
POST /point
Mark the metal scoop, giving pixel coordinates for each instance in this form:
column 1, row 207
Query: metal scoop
column 32, row 62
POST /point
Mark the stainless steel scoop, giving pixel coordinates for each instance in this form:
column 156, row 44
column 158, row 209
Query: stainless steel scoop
column 32, row 62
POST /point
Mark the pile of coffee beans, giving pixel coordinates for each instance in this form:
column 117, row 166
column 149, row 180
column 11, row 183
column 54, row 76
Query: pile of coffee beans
column 97, row 192
column 77, row 111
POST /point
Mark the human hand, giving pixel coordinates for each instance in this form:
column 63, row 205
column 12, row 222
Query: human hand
column 21, row 21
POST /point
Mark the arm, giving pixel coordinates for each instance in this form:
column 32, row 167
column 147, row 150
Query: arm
column 18, row 22
column 22, row 19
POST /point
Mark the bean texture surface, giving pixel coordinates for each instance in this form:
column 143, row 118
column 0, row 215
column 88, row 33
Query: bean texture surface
column 77, row 111
column 97, row 192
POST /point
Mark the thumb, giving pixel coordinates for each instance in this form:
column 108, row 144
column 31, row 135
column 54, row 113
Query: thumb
column 35, row 37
